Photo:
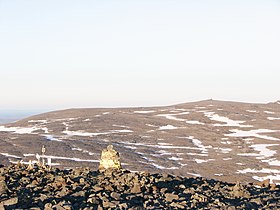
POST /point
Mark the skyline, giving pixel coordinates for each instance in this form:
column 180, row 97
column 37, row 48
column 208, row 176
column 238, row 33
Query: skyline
column 67, row 54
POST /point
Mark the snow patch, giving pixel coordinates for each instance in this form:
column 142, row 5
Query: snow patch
column 77, row 149
column 145, row 136
column 23, row 130
column 173, row 116
column 175, row 158
column 199, row 144
column 253, row 133
column 264, row 151
column 69, row 158
column 223, row 150
column 163, row 143
column 229, row 122
column 33, row 162
column 19, row 130
column 240, row 164
column 150, row 125
column 65, row 119
column 268, row 112
column 193, row 174
column 273, row 118
column 272, row 162
column 252, row 111
column 263, row 170
column 37, row 121
column 164, row 168
column 130, row 147
column 196, row 154
column 201, row 148
column 144, row 112
column 194, row 122
column 28, row 155
column 82, row 133
column 202, row 161
column 121, row 126
column 51, row 138
column 167, row 127
column 12, row 156
column 273, row 178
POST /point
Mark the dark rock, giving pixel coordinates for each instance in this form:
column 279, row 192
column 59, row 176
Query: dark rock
column 177, row 205
column 115, row 195
column 92, row 199
column 136, row 188
column 79, row 194
column 107, row 204
column 123, row 206
column 169, row 197
column 230, row 208
column 48, row 206
column 82, row 180
column 109, row 188
column 3, row 187
column 10, row 201
column 97, row 188
column 163, row 190
column 43, row 197
column 264, row 183
column 239, row 191
column 257, row 201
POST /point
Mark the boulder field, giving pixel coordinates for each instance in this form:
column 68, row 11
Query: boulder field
column 22, row 187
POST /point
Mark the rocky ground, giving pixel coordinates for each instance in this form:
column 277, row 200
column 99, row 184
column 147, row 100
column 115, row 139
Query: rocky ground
column 82, row 188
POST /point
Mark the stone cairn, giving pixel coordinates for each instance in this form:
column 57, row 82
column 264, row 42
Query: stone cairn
column 40, row 160
column 110, row 159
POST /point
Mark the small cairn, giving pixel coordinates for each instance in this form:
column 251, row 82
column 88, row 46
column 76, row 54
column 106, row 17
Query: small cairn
column 43, row 154
column 110, row 159
column 41, row 161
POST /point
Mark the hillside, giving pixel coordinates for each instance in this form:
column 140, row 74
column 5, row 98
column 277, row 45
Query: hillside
column 228, row 141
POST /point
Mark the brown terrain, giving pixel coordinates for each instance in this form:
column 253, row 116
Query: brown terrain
column 227, row 141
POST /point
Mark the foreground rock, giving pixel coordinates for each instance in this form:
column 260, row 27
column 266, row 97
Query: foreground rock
column 121, row 189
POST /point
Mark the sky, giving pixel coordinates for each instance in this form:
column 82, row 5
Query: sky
column 59, row 54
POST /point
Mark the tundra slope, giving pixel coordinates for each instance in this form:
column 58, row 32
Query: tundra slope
column 229, row 141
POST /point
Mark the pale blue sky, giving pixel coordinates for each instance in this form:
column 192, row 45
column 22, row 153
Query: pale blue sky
column 58, row 54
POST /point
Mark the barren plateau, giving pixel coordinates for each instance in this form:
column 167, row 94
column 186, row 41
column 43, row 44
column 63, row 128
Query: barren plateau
column 227, row 141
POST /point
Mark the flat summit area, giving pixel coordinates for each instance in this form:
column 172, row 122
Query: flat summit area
column 227, row 141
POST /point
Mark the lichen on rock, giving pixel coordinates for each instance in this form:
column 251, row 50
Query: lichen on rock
column 110, row 159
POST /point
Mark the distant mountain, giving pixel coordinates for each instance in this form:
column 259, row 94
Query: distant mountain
column 229, row 141
column 8, row 116
column 3, row 121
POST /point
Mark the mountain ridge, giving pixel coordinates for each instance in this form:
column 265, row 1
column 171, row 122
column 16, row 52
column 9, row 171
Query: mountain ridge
column 157, row 106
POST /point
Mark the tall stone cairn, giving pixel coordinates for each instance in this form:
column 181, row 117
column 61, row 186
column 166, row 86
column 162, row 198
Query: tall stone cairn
column 110, row 159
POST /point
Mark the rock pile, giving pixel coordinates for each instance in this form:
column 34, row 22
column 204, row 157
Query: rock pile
column 110, row 159
column 39, row 188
